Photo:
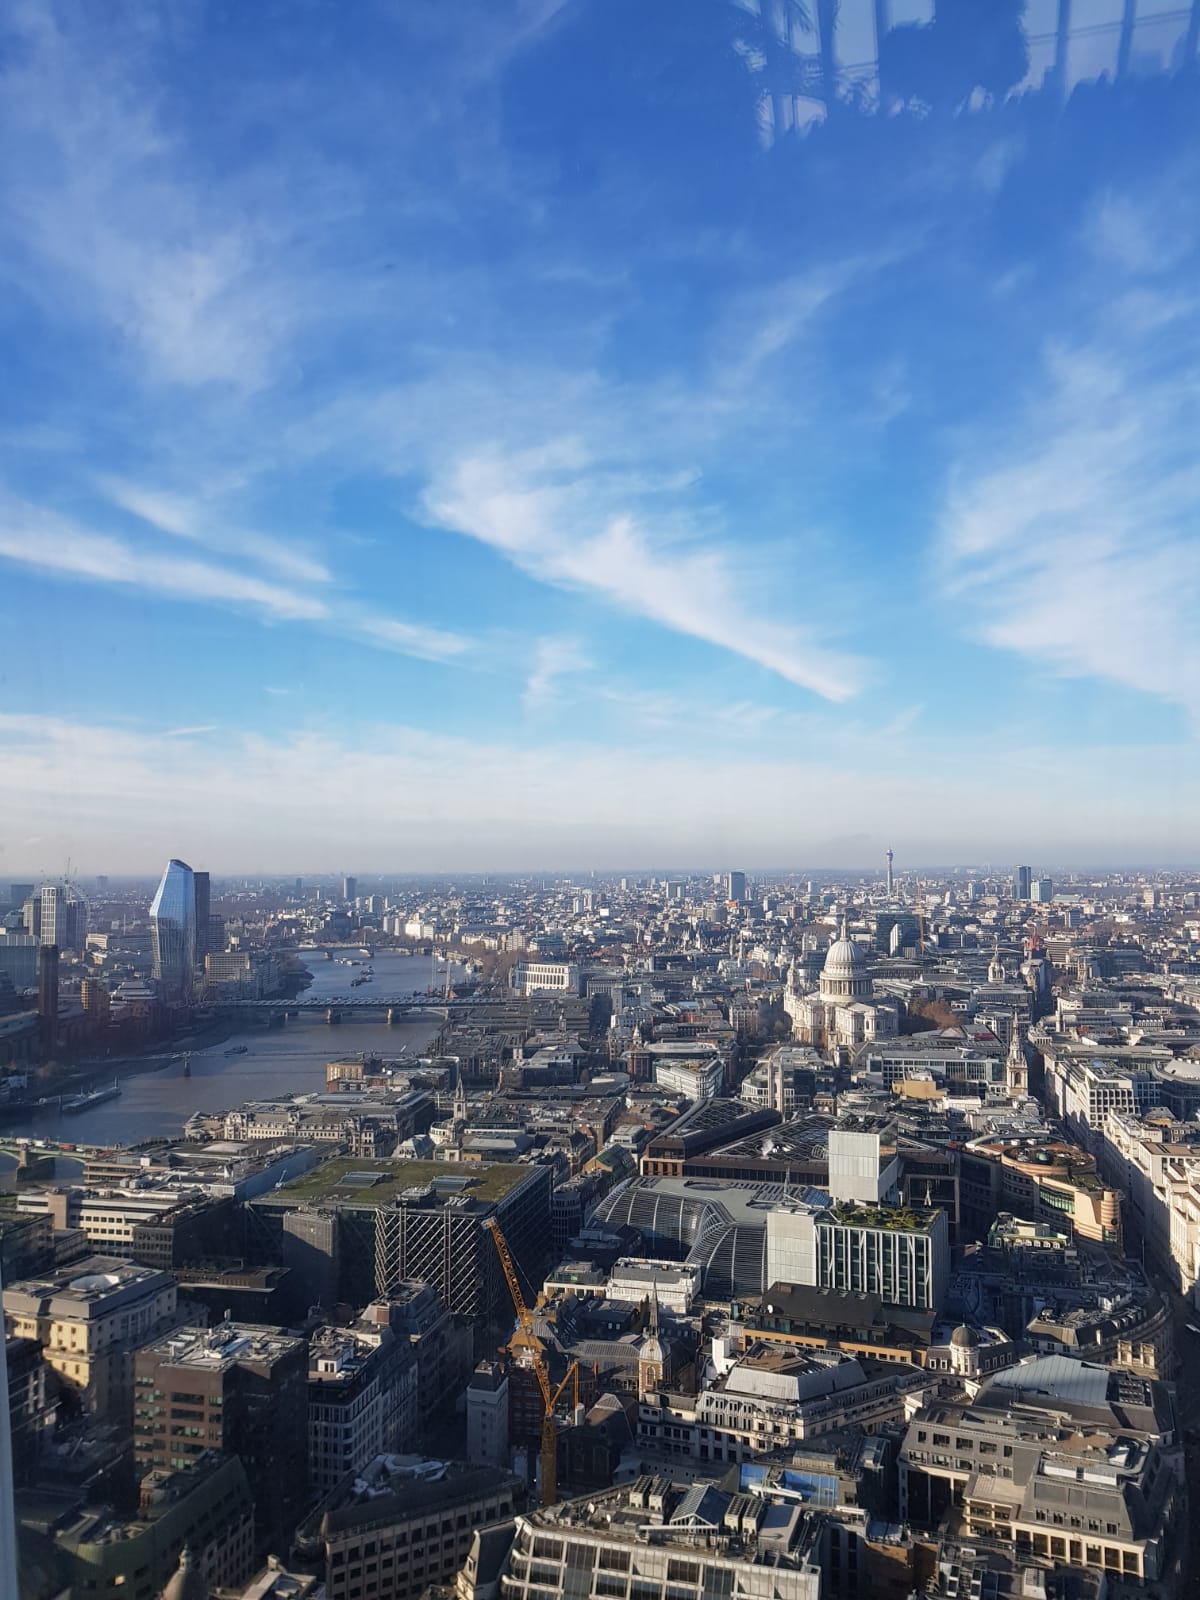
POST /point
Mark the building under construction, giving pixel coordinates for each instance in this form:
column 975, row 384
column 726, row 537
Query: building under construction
column 354, row 1230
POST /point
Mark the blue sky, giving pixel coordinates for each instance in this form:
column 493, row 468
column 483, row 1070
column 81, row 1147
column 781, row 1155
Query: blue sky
column 512, row 433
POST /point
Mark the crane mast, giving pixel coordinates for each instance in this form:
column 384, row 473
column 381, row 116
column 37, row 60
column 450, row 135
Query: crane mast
column 550, row 1396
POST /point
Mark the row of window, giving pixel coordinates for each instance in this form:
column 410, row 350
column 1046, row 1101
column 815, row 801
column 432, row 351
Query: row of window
column 983, row 1447
column 428, row 1537
column 1127, row 1562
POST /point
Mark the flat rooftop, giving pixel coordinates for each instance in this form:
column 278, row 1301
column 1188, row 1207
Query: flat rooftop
column 686, row 1515
column 351, row 1180
column 210, row 1349
column 336, row 1355
column 85, row 1283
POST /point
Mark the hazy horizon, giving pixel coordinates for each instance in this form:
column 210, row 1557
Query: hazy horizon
column 863, row 871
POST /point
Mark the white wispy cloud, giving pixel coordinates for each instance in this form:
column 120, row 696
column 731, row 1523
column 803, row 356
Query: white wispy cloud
column 596, row 485
column 564, row 525
column 1075, row 546
column 190, row 733
column 1150, row 233
column 412, row 639
column 109, row 218
column 553, row 660
column 184, row 519
column 36, row 538
column 41, row 540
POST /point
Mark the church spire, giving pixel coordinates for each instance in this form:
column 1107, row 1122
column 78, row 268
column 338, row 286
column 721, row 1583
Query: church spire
column 996, row 970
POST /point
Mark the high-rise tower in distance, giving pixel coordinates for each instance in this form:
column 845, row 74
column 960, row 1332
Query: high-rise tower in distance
column 349, row 888
column 203, row 896
column 891, row 882
column 1022, row 883
column 63, row 916
column 48, row 999
column 173, row 930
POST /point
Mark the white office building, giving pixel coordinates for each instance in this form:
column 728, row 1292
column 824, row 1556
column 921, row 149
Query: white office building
column 902, row 1256
column 545, row 977
column 698, row 1080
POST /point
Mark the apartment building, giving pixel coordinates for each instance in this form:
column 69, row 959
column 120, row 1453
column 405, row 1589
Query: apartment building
column 206, row 1508
column 1084, row 1082
column 404, row 1524
column 237, row 1388
column 89, row 1318
column 362, row 1400
column 1074, row 1463
column 658, row 1540
column 771, row 1399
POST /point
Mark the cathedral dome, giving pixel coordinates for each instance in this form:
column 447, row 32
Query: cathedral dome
column 845, row 975
column 845, row 958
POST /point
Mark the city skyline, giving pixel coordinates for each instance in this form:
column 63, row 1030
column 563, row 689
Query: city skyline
column 572, row 469
column 369, row 879
column 599, row 881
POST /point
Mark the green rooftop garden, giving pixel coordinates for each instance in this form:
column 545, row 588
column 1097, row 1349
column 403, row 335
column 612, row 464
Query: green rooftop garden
column 897, row 1219
column 328, row 1182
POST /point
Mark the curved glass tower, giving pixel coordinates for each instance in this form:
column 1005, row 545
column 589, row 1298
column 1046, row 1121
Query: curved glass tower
column 173, row 930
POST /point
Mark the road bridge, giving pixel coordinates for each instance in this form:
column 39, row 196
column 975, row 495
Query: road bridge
column 11, row 1145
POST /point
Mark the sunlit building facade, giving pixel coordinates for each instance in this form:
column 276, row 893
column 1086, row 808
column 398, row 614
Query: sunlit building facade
column 173, row 930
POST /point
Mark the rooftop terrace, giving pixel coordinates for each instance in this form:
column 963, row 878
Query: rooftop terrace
column 896, row 1219
column 351, row 1180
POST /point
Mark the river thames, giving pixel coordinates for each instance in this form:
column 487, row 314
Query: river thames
column 278, row 1061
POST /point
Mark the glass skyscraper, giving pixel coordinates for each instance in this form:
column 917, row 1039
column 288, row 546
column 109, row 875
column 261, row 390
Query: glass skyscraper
column 173, row 930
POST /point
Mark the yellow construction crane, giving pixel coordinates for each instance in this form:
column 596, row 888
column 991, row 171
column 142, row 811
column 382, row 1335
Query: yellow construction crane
column 550, row 1396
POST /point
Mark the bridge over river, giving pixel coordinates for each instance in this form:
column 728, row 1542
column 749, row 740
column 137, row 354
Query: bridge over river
column 398, row 1008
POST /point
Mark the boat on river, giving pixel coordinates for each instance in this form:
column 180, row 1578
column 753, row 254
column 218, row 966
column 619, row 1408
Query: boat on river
column 93, row 1097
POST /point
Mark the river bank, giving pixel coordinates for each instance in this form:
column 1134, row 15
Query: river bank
column 233, row 1061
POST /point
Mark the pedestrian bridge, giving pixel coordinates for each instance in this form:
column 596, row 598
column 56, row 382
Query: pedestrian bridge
column 395, row 1009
